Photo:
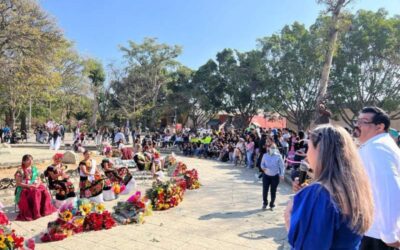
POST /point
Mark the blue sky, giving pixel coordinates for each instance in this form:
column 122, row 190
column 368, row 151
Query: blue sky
column 201, row 27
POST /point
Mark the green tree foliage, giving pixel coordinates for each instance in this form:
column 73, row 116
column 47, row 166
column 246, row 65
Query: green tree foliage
column 235, row 83
column 96, row 75
column 367, row 66
column 29, row 41
column 149, row 66
column 294, row 63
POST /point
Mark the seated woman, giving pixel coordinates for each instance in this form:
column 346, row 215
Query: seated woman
column 92, row 184
column 142, row 162
column 121, row 175
column 59, row 181
column 32, row 197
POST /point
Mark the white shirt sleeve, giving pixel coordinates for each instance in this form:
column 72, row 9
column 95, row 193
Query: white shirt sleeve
column 387, row 195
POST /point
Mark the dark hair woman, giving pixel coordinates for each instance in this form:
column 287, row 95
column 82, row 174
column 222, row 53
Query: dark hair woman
column 32, row 197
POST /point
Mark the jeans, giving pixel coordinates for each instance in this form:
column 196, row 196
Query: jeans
column 249, row 159
column 269, row 181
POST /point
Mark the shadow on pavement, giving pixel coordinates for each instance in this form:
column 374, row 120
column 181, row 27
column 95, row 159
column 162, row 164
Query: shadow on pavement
column 229, row 215
column 10, row 212
column 278, row 235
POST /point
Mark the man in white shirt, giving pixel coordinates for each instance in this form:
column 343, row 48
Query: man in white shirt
column 381, row 158
column 119, row 136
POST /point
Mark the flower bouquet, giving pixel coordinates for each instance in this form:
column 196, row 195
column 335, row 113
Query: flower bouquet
column 3, row 219
column 192, row 179
column 117, row 188
column 85, row 216
column 133, row 210
column 180, row 169
column 9, row 240
column 164, row 195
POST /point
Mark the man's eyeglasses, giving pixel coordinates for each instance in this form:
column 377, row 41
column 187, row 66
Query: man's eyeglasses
column 361, row 122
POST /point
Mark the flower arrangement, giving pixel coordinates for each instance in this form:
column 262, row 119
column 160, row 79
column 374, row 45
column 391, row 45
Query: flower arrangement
column 191, row 177
column 117, row 188
column 85, row 216
column 180, row 169
column 164, row 195
column 3, row 219
column 9, row 240
column 133, row 210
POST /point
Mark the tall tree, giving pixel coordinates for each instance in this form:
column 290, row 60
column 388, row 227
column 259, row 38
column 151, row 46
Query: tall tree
column 95, row 72
column 236, row 83
column 366, row 70
column 334, row 7
column 29, row 40
column 151, row 63
column 293, row 61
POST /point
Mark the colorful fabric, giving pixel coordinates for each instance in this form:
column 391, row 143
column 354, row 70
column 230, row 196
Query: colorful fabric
column 64, row 188
column 34, row 203
column 20, row 173
column 120, row 175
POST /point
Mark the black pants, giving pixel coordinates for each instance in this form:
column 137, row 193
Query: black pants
column 368, row 243
column 270, row 181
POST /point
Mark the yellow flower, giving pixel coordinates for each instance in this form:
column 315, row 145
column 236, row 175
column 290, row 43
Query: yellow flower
column 66, row 215
column 100, row 208
column 10, row 238
column 78, row 221
column 2, row 245
column 2, row 238
column 86, row 208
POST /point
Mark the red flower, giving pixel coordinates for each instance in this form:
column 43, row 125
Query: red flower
column 78, row 229
column 18, row 241
column 3, row 219
column 31, row 244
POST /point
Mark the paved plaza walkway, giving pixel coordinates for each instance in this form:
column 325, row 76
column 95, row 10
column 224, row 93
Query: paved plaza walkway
column 225, row 213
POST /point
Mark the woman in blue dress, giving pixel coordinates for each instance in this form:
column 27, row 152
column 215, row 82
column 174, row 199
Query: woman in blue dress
column 335, row 210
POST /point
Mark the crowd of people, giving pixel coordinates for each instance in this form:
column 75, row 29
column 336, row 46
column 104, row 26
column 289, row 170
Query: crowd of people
column 346, row 182
column 12, row 136
column 353, row 198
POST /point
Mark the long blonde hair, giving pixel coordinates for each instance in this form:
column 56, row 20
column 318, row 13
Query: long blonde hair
column 339, row 169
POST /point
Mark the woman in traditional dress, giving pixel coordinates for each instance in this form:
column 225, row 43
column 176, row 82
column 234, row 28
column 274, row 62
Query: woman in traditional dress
column 121, row 175
column 32, row 197
column 59, row 181
column 142, row 162
column 92, row 183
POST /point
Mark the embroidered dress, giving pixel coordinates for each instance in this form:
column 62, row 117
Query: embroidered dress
column 63, row 187
column 90, row 186
column 33, row 203
column 122, row 176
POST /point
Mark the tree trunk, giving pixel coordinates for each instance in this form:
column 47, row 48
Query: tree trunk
column 333, row 34
column 23, row 122
column 12, row 118
column 95, row 108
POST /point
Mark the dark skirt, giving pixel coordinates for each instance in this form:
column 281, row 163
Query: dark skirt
column 64, row 189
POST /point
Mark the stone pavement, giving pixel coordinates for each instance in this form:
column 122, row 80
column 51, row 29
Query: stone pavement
column 223, row 214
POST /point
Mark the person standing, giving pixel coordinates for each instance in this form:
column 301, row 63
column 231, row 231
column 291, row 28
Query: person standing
column 336, row 209
column 249, row 151
column 273, row 169
column 381, row 158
